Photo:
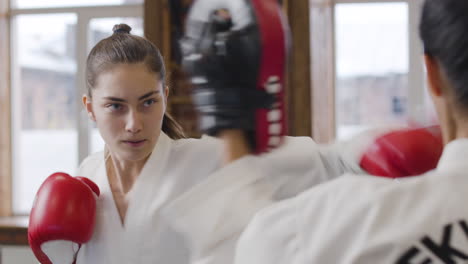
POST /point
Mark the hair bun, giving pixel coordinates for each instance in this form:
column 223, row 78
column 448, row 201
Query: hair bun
column 121, row 28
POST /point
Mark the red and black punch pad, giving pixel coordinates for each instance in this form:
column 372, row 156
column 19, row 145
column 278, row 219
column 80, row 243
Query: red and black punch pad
column 271, row 123
column 236, row 53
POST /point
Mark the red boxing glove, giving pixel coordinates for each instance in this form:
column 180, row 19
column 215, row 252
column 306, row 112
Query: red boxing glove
column 402, row 153
column 62, row 218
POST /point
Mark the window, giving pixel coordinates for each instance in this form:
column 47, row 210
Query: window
column 371, row 46
column 49, row 44
column 377, row 74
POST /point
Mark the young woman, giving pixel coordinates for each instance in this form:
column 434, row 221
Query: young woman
column 414, row 220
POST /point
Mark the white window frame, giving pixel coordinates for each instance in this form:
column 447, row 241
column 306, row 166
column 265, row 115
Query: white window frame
column 84, row 15
column 416, row 97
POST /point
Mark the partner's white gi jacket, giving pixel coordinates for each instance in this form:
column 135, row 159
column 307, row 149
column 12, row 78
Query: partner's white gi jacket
column 174, row 168
column 214, row 213
column 366, row 220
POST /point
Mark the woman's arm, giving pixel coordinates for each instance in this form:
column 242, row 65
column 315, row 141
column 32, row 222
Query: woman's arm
column 235, row 145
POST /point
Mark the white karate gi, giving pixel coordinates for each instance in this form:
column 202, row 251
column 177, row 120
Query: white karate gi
column 189, row 166
column 213, row 213
column 173, row 167
column 358, row 220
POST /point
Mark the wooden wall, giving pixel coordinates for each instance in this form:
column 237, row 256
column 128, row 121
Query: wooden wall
column 298, row 83
column 5, row 114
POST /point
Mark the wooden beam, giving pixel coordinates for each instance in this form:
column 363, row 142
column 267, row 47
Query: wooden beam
column 14, row 231
column 5, row 113
column 157, row 25
column 322, row 66
column 152, row 20
column 298, row 80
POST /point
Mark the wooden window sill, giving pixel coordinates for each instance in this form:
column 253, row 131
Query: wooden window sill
column 14, row 231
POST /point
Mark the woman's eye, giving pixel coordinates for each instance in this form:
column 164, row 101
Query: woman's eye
column 114, row 107
column 149, row 102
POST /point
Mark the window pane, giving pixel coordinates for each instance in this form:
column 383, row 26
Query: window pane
column 68, row 3
column 371, row 65
column 44, row 102
column 102, row 28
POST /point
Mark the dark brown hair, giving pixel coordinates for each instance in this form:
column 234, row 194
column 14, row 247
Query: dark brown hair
column 125, row 48
column 443, row 30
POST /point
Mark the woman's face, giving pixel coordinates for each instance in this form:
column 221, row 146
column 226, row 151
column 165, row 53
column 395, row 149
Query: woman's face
column 128, row 105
